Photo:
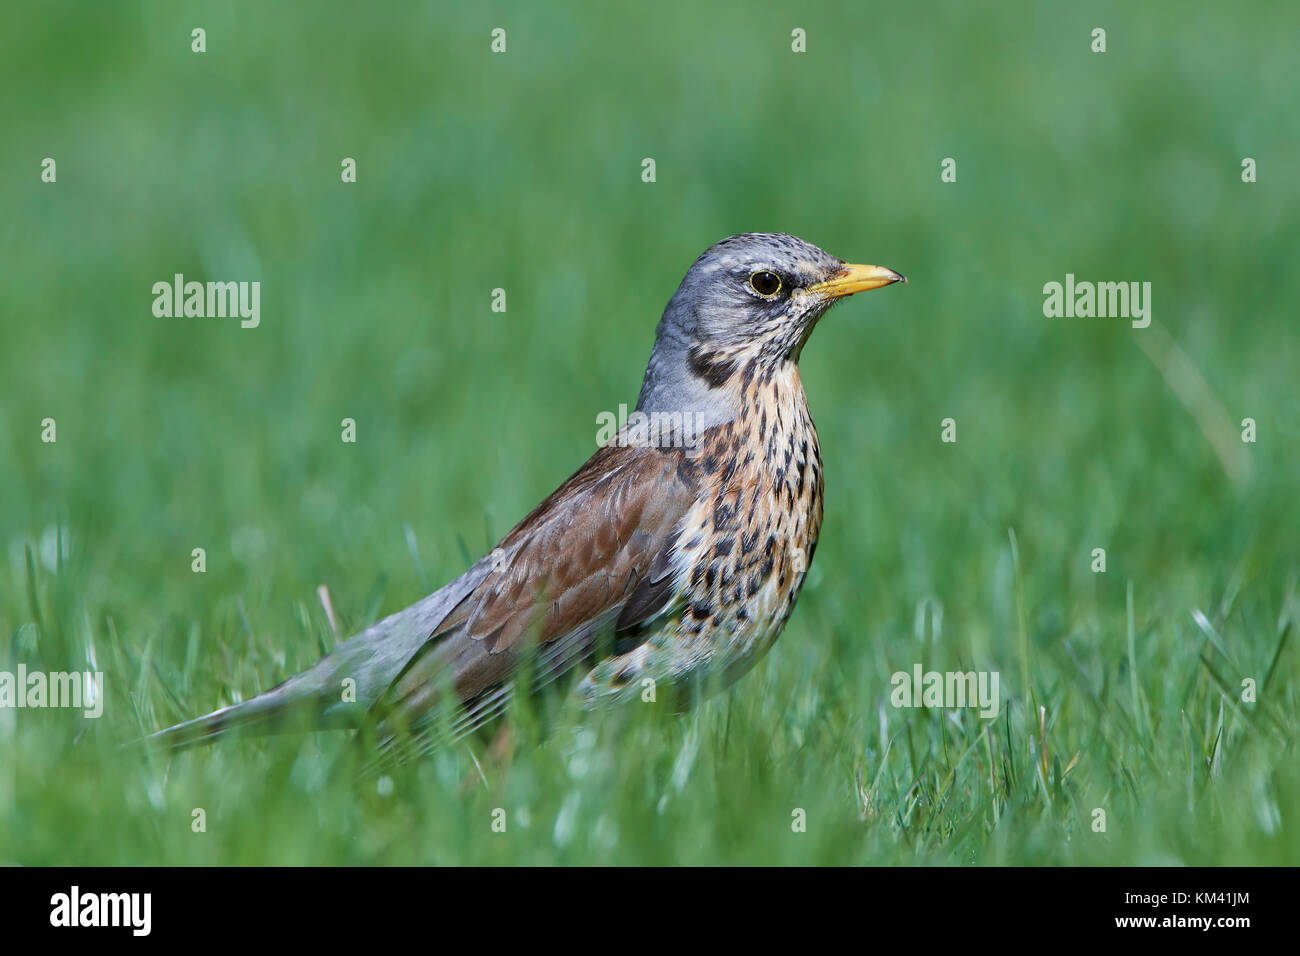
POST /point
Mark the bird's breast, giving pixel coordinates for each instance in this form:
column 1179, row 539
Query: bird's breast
column 746, row 544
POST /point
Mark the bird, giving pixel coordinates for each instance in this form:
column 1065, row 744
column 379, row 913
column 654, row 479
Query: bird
column 673, row 557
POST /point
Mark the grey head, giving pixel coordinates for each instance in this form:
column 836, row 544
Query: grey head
column 756, row 295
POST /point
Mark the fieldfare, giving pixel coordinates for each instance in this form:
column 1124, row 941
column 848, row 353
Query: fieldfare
column 675, row 554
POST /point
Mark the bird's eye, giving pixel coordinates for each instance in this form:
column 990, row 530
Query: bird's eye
column 766, row 284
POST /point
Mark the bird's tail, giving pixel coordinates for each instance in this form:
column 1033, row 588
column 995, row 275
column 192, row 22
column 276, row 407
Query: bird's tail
column 337, row 690
column 295, row 704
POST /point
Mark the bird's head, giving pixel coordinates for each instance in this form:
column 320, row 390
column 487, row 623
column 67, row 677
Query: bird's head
column 763, row 292
column 753, row 298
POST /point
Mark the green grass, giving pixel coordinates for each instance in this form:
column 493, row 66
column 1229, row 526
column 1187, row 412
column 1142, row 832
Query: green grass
column 1121, row 691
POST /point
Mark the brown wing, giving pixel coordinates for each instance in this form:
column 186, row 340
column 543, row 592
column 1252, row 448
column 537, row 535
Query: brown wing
column 594, row 555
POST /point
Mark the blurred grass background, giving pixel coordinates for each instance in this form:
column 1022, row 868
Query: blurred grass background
column 522, row 171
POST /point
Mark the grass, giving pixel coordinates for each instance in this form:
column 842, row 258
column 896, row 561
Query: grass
column 1122, row 690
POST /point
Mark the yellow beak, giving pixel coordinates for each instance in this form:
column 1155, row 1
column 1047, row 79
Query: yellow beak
column 853, row 279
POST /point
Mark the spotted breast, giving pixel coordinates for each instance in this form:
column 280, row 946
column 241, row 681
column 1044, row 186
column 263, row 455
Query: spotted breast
column 743, row 548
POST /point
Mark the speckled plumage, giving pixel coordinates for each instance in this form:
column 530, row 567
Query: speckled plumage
column 678, row 559
column 743, row 548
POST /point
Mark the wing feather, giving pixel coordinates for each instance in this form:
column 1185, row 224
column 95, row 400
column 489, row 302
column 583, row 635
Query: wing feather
column 594, row 556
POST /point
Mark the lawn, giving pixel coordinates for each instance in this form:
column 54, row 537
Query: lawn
column 1148, row 712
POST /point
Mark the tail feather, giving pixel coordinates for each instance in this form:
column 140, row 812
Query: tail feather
column 371, row 660
column 264, row 714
